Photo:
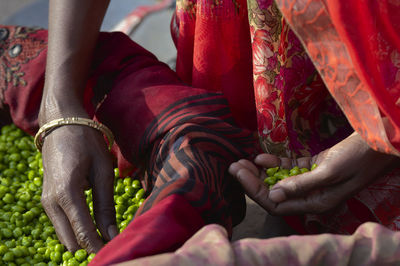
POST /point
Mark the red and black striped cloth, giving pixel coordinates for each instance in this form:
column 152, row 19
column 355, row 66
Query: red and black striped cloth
column 181, row 139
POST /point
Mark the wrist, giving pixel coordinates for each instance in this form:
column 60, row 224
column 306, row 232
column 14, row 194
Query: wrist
column 54, row 108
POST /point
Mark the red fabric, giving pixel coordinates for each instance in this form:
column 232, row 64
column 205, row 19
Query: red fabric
column 164, row 228
column 373, row 24
column 355, row 47
column 214, row 52
column 182, row 139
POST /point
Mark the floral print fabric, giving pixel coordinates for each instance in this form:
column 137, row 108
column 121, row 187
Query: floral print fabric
column 296, row 113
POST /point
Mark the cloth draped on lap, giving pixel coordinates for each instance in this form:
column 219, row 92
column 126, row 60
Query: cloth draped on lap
column 181, row 139
column 371, row 244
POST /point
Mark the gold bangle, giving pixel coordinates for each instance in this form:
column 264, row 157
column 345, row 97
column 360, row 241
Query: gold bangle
column 46, row 128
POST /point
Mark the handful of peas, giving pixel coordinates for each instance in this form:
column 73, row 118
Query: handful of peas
column 27, row 236
column 275, row 174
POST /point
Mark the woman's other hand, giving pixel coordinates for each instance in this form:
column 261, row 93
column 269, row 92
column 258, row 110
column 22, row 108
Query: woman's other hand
column 342, row 171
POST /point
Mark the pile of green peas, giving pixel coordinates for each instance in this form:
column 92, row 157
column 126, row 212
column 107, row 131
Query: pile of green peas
column 27, row 236
column 275, row 174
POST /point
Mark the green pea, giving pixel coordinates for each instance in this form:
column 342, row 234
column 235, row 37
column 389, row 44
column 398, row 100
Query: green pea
column 73, row 262
column 59, row 248
column 20, row 261
column 140, row 194
column 120, row 201
column 17, row 232
column 37, row 181
column 41, row 250
column 284, row 171
column 10, row 243
column 132, row 209
column 81, row 255
column 38, row 257
column 8, row 256
column 56, row 256
column 269, row 181
column 8, row 198
column 3, row 249
column 67, row 255
column 90, row 257
column 304, row 170
column 119, row 209
column 21, row 167
column 7, row 233
column 272, row 171
column 136, row 184
column 15, row 157
column 17, row 209
column 294, row 171
column 119, row 189
column 17, row 252
column 28, row 216
column 313, row 166
column 129, row 191
column 116, row 172
column 32, row 250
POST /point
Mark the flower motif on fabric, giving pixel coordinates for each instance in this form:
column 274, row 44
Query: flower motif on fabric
column 15, row 50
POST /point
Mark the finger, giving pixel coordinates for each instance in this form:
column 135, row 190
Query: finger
column 254, row 188
column 234, row 168
column 319, row 201
column 61, row 224
column 299, row 185
column 103, row 202
column 303, row 162
column 250, row 166
column 74, row 205
column 267, row 160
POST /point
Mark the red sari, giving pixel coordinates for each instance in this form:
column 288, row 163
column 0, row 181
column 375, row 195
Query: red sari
column 311, row 78
column 296, row 115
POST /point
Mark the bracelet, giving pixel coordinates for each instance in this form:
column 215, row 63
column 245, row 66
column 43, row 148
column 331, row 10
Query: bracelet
column 46, row 128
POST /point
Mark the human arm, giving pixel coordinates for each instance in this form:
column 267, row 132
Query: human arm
column 74, row 157
column 342, row 171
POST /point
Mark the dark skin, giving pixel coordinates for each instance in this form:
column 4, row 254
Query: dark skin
column 342, row 171
column 75, row 158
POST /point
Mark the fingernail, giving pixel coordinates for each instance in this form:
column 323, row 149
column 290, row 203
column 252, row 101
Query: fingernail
column 277, row 195
column 112, row 231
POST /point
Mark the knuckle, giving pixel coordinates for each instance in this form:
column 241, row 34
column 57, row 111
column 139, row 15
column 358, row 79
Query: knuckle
column 83, row 239
column 62, row 198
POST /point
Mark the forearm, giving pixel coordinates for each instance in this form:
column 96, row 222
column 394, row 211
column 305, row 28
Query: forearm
column 73, row 31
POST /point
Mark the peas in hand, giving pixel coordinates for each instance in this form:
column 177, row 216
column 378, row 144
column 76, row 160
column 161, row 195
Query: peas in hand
column 276, row 173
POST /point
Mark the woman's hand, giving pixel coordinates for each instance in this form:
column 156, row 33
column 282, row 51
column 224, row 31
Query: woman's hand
column 342, row 171
column 75, row 158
